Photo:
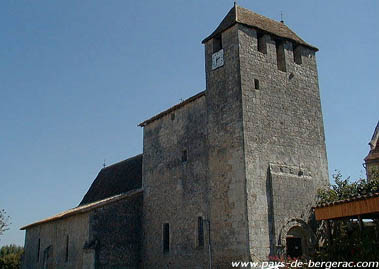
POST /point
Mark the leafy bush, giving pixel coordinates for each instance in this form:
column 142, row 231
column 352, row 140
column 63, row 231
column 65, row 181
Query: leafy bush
column 345, row 188
column 348, row 242
column 10, row 257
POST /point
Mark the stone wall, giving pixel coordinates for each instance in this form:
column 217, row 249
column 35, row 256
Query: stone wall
column 256, row 157
column 116, row 234
column 52, row 237
column 227, row 180
column 175, row 189
column 283, row 126
column 372, row 169
column 109, row 236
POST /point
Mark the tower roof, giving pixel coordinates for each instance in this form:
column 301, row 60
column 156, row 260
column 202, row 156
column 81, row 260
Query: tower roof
column 374, row 146
column 246, row 17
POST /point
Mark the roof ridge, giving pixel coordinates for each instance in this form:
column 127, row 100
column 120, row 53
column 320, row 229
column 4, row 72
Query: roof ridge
column 225, row 23
column 266, row 18
column 250, row 18
column 235, row 8
column 86, row 207
column 256, row 14
column 128, row 159
column 352, row 198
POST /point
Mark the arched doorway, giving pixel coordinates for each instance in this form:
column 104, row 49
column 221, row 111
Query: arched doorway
column 296, row 242
column 297, row 238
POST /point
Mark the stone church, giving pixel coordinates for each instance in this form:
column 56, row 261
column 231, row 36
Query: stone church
column 229, row 174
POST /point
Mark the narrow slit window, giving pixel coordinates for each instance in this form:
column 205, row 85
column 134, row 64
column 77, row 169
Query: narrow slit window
column 261, row 43
column 67, row 241
column 297, row 54
column 166, row 238
column 256, row 84
column 200, row 232
column 217, row 43
column 184, row 156
column 280, row 55
column 38, row 249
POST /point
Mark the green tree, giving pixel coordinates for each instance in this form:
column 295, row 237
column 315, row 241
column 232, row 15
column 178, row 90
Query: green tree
column 348, row 242
column 345, row 188
column 10, row 257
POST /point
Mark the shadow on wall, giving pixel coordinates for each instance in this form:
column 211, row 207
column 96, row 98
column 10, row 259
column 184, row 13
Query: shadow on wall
column 270, row 211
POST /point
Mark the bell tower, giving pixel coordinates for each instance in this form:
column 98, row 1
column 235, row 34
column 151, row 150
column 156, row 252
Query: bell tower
column 266, row 155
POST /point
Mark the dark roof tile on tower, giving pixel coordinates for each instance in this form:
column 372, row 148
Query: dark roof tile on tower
column 115, row 179
column 249, row 18
column 373, row 155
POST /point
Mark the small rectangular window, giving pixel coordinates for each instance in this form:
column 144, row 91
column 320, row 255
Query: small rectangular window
column 261, row 43
column 66, row 258
column 200, row 232
column 166, row 238
column 217, row 43
column 184, row 156
column 280, row 55
column 256, row 84
column 38, row 249
column 297, row 54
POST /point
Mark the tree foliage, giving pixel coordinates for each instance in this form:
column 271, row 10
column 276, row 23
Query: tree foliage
column 10, row 257
column 345, row 188
column 345, row 241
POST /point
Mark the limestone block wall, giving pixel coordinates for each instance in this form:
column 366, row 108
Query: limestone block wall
column 105, row 237
column 48, row 242
column 283, row 125
column 175, row 187
column 372, row 168
column 228, row 211
column 116, row 234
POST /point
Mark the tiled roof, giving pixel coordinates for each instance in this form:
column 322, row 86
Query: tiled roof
column 373, row 155
column 115, row 179
column 354, row 198
column 171, row 109
column 246, row 17
column 86, row 208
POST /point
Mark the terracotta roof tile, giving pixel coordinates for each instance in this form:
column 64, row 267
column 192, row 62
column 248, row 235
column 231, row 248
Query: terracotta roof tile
column 354, row 198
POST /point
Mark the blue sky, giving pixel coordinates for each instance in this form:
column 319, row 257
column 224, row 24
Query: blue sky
column 76, row 77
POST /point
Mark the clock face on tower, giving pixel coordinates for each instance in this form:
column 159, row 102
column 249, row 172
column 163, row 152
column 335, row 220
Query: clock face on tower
column 217, row 59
